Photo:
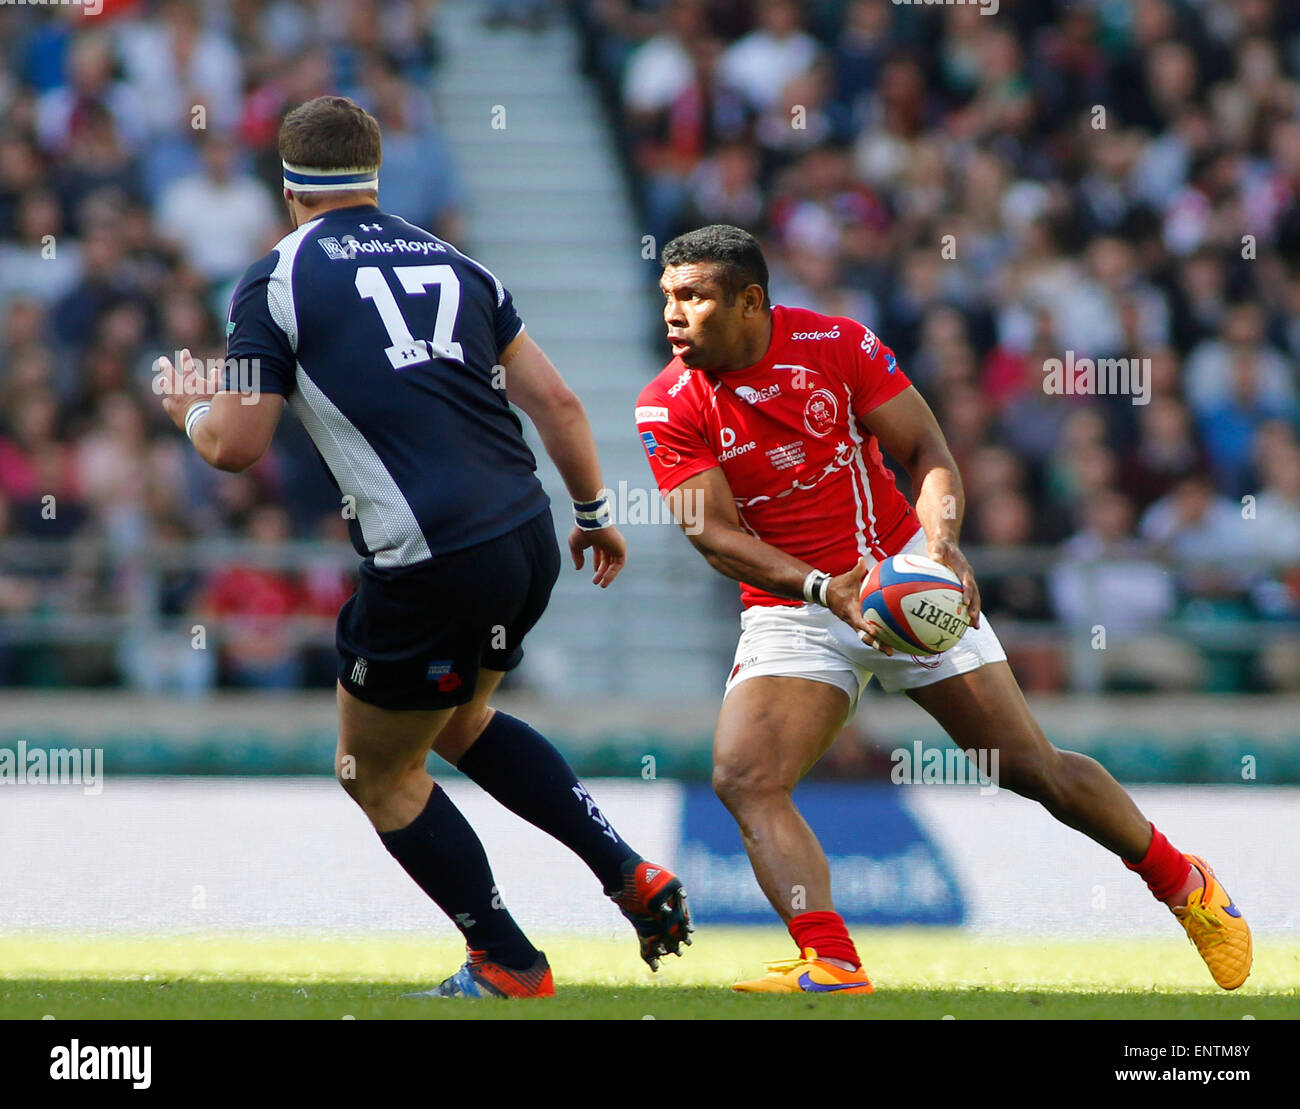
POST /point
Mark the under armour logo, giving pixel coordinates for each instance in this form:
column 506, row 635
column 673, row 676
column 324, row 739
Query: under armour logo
column 359, row 671
column 372, row 227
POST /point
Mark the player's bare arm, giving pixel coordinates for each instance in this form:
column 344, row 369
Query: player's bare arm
column 535, row 385
column 230, row 430
column 715, row 530
column 908, row 431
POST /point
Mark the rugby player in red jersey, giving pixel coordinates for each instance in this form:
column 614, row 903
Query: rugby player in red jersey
column 765, row 434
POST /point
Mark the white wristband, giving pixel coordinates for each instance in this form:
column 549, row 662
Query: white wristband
column 815, row 586
column 593, row 515
column 194, row 414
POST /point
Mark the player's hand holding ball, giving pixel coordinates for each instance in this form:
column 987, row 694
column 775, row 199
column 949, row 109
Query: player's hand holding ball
column 947, row 553
column 843, row 598
column 914, row 604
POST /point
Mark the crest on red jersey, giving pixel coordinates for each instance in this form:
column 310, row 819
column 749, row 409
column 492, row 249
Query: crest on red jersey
column 821, row 412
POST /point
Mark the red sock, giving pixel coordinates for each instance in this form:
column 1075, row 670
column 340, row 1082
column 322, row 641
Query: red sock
column 825, row 933
column 1163, row 868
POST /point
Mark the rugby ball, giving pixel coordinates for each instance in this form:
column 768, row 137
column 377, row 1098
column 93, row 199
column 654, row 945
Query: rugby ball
column 915, row 604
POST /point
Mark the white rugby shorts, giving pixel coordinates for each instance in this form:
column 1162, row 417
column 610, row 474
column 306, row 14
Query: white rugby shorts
column 808, row 641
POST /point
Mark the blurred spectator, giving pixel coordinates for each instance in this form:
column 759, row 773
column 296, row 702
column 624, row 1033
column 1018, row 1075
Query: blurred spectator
column 113, row 470
column 1199, row 299
column 21, row 171
column 64, row 110
column 1274, row 529
column 20, row 596
column 174, row 65
column 761, row 64
column 661, row 68
column 38, row 474
column 724, row 188
column 1275, row 535
column 417, row 182
column 41, row 263
column 105, row 281
column 668, row 144
column 1006, row 526
column 221, row 217
column 529, row 14
column 1166, row 450
column 1202, row 531
column 860, row 51
column 95, row 162
column 253, row 605
column 1235, row 384
column 1115, row 596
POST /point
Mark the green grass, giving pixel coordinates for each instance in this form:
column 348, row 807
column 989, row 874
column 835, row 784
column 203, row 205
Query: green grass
column 919, row 974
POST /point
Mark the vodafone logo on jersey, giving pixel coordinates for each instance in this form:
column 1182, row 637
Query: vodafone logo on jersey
column 821, row 412
column 729, row 450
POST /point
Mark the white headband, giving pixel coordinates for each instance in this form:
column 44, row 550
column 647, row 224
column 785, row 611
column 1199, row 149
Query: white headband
column 312, row 179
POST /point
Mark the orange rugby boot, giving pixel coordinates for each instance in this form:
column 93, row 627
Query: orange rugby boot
column 808, row 974
column 1217, row 929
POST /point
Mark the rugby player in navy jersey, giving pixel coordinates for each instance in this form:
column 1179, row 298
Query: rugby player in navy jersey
column 395, row 350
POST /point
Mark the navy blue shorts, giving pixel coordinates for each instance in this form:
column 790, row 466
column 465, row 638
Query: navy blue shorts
column 415, row 637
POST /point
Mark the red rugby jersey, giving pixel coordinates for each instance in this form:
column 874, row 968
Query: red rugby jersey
column 807, row 477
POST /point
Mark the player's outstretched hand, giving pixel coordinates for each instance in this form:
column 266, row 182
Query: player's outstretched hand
column 842, row 599
column 181, row 387
column 608, row 549
column 946, row 552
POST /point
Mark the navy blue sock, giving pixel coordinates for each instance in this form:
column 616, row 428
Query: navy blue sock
column 521, row 769
column 443, row 854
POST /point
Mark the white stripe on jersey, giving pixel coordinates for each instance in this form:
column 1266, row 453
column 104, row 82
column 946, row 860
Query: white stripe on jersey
column 877, row 551
column 388, row 525
column 279, row 286
column 745, row 523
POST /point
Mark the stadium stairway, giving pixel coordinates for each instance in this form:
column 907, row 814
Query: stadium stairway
column 547, row 210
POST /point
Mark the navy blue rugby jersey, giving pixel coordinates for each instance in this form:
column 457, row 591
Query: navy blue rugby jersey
column 385, row 339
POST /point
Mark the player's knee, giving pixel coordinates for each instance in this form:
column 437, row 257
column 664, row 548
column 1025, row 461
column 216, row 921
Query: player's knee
column 345, row 769
column 366, row 786
column 460, row 732
column 740, row 784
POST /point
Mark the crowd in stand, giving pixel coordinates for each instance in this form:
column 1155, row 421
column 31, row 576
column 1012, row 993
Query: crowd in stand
column 995, row 187
column 988, row 190
column 138, row 179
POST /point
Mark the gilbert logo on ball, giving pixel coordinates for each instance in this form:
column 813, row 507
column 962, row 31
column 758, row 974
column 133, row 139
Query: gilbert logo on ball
column 915, row 604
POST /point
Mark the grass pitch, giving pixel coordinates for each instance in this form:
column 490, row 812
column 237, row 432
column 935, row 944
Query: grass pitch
column 922, row 974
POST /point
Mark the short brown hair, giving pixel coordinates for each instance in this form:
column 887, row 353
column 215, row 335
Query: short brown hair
column 331, row 132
